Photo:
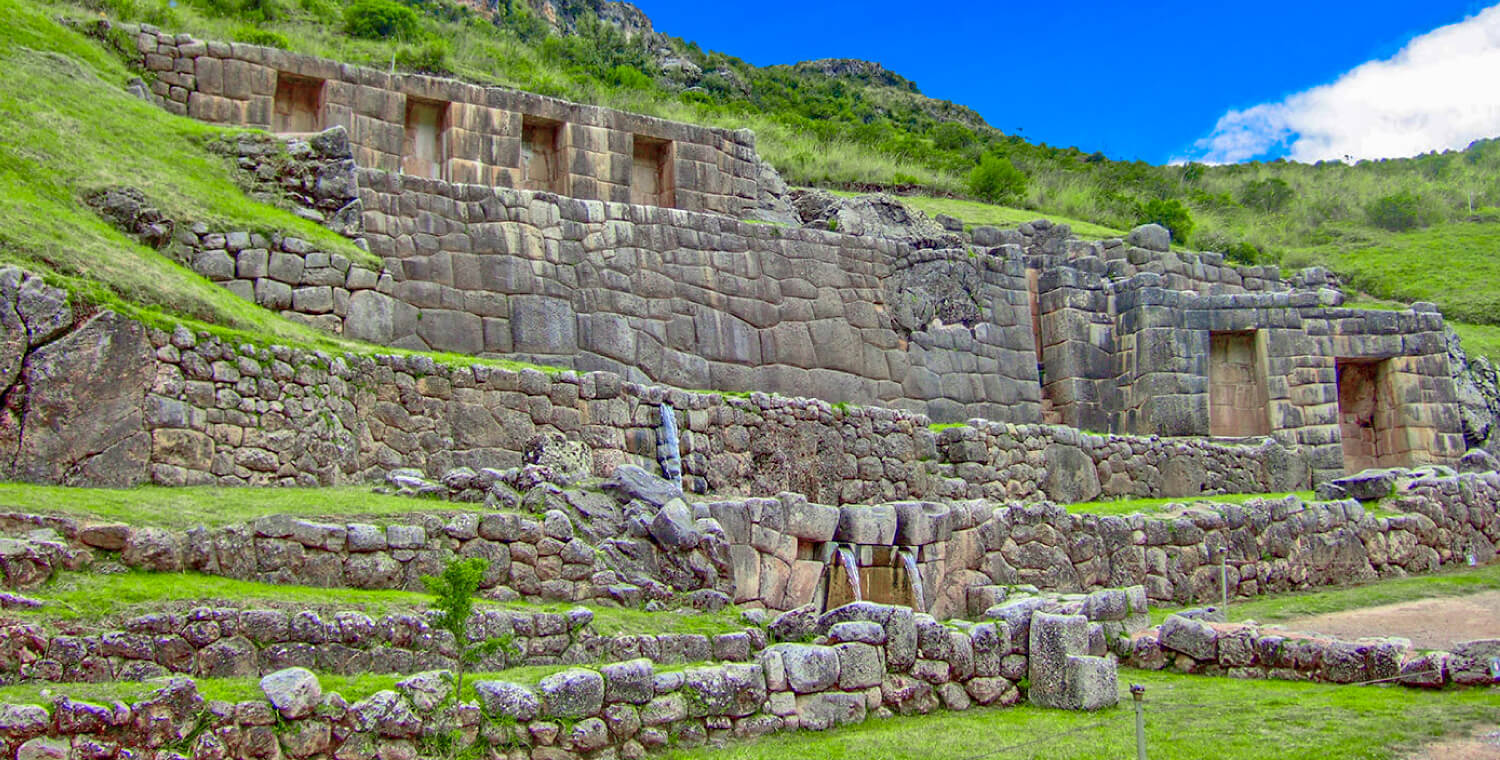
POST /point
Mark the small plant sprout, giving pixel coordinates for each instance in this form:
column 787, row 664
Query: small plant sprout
column 454, row 605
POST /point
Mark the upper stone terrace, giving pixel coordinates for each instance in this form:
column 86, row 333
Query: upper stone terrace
column 450, row 130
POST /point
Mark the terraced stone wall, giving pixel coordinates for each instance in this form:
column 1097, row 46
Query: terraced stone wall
column 694, row 300
column 435, row 127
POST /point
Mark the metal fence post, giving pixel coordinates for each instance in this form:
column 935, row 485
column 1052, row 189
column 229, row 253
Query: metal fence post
column 1138, row 693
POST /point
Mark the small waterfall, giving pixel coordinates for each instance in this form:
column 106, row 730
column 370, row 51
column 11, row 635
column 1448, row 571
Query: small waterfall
column 669, row 451
column 851, row 570
column 909, row 559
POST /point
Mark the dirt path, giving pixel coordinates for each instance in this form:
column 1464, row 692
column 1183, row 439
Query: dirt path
column 1484, row 746
column 1429, row 623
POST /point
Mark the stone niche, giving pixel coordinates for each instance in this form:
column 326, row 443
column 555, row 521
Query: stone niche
column 542, row 152
column 425, row 147
column 1370, row 421
column 651, row 175
column 1238, row 404
column 298, row 105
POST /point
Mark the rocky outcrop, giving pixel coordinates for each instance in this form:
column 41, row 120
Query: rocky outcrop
column 873, row 216
column 1477, row 383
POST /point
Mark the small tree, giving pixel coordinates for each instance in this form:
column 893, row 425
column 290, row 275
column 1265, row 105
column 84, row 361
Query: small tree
column 1399, row 212
column 997, row 180
column 454, row 604
column 1268, row 195
column 1168, row 213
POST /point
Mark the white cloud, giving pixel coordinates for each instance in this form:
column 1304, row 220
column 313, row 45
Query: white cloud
column 1439, row 92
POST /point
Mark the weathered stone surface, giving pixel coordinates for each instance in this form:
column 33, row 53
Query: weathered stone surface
column 502, row 698
column 294, row 692
column 809, row 668
column 1071, row 476
column 1152, row 237
column 82, row 423
column 1191, row 637
column 575, row 693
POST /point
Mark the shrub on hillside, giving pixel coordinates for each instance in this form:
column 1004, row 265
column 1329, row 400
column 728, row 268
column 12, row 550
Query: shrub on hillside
column 431, row 57
column 254, row 35
column 1399, row 212
column 1269, row 195
column 1168, row 213
column 1238, row 251
column 630, row 78
column 997, row 180
column 380, row 19
column 951, row 136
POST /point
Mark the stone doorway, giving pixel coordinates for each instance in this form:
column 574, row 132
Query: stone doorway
column 541, row 155
column 299, row 105
column 1369, row 415
column 1237, row 401
column 425, row 147
column 651, row 177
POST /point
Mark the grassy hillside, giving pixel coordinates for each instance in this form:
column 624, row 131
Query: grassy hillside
column 69, row 128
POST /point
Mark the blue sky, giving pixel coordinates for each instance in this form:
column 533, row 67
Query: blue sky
column 1157, row 81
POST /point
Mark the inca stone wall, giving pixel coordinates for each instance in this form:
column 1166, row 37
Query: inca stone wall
column 444, row 128
column 1247, row 651
column 691, row 300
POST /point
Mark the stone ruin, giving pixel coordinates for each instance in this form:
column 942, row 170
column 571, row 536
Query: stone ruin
column 744, row 402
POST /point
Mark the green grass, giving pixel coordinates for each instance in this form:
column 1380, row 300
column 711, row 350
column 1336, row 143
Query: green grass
column 1479, row 340
column 69, row 128
column 1455, row 265
column 97, row 598
column 1132, row 506
column 1271, row 609
column 213, row 506
column 1187, row 718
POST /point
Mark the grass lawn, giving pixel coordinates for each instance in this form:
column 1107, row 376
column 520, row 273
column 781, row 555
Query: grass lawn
column 1269, row 609
column 213, row 506
column 1454, row 265
column 94, row 598
column 1187, row 718
column 1132, row 506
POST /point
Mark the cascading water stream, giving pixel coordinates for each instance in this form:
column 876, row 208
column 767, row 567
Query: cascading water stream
column 909, row 559
column 851, row 571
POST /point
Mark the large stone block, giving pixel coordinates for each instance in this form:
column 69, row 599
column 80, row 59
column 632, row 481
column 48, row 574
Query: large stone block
column 542, row 325
column 866, row 524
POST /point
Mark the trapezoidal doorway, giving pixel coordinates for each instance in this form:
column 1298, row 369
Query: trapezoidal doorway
column 1370, row 422
column 1237, row 401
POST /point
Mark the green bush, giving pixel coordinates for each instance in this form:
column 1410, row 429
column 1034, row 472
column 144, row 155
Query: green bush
column 1399, row 212
column 997, row 180
column 431, row 57
column 254, row 35
column 630, row 78
column 380, row 19
column 1169, row 213
column 952, row 136
column 1269, row 195
column 454, row 590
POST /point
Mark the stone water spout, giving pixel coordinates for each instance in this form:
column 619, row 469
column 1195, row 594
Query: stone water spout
column 908, row 557
column 850, row 562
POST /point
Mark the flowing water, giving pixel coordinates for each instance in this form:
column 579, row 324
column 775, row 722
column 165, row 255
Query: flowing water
column 851, row 571
column 909, row 559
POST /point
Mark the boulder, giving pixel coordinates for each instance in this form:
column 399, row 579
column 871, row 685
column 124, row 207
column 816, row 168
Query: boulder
column 1152, row 237
column 1369, row 484
column 294, row 692
column 630, row 483
column 1190, row 637
column 575, row 693
column 674, row 527
column 1474, row 663
column 506, row 699
column 1071, row 476
column 808, row 668
column 1478, row 460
